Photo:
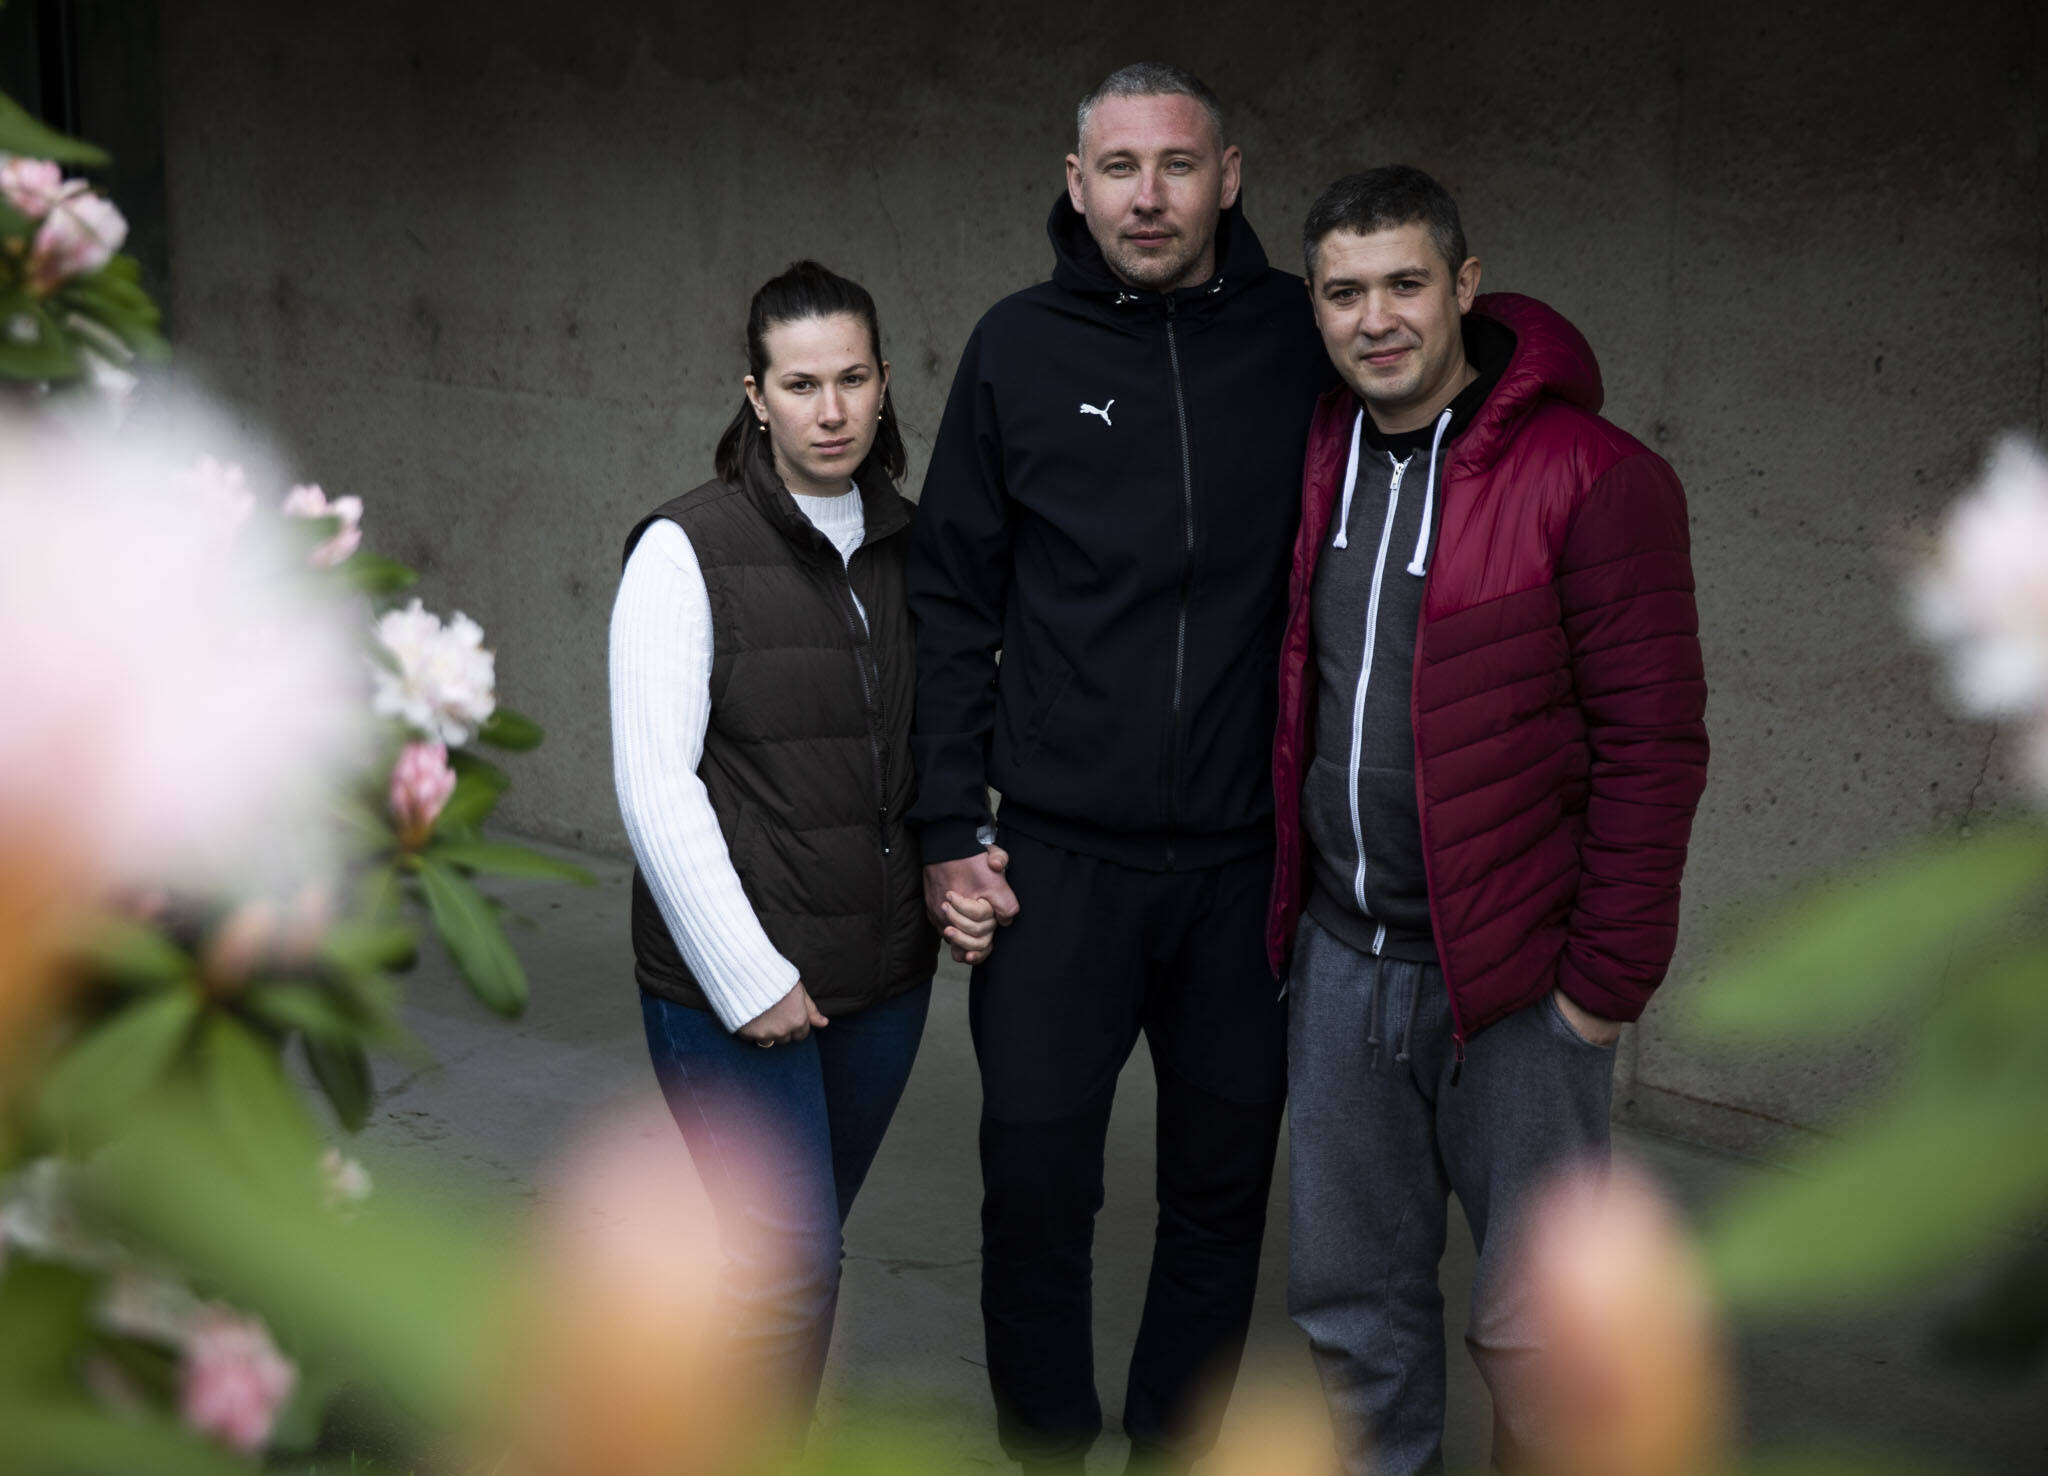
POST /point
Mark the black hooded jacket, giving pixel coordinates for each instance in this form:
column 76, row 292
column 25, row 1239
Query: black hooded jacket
column 1111, row 505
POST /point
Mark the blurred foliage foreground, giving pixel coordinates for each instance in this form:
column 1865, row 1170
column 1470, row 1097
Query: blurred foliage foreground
column 190, row 1274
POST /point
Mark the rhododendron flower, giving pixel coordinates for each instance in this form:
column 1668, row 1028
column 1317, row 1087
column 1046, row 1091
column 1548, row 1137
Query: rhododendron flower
column 1632, row 1379
column 445, row 685
column 32, row 186
column 235, row 1381
column 1984, row 597
column 421, row 782
column 179, row 709
column 311, row 502
column 78, row 237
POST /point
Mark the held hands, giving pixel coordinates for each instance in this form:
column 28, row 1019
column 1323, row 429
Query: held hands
column 785, row 1022
column 955, row 894
column 1593, row 1029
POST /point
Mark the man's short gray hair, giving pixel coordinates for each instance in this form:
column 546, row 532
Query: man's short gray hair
column 1149, row 79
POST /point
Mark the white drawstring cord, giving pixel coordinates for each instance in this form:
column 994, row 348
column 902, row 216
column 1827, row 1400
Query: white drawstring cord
column 1417, row 565
column 1350, row 481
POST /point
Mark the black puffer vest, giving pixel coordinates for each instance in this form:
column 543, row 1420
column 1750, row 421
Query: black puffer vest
column 807, row 757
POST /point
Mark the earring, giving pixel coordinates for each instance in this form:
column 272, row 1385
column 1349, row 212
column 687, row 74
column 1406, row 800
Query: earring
column 764, row 427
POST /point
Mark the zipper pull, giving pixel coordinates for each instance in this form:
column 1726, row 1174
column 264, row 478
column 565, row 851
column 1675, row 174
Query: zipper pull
column 1458, row 1066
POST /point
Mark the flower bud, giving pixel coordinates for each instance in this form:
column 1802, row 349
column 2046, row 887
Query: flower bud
column 421, row 782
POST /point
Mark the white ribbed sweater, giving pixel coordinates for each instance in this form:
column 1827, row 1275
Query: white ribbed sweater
column 661, row 650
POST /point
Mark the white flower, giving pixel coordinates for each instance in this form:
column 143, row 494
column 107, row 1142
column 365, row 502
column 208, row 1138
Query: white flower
column 445, row 685
column 180, row 708
column 347, row 1181
column 310, row 502
column 1984, row 598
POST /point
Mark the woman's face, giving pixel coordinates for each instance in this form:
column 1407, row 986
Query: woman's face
column 821, row 399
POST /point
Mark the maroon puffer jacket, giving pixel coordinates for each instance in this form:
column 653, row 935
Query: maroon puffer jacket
column 1558, row 695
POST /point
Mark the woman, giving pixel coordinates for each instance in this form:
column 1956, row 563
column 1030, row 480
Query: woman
column 761, row 673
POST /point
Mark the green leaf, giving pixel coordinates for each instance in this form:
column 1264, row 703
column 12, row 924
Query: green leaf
column 375, row 575
column 509, row 730
column 255, row 1108
column 343, row 1072
column 21, row 133
column 479, row 946
column 106, row 1072
column 44, row 1309
column 392, row 1288
column 75, row 1438
column 498, row 859
column 50, row 355
column 120, row 950
column 478, row 783
column 291, row 1004
column 369, row 946
column 1859, row 951
column 1930, row 1180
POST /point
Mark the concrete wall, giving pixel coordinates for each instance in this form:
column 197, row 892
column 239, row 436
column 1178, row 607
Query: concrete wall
column 485, row 265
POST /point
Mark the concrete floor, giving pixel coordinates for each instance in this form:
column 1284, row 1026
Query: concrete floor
column 502, row 1099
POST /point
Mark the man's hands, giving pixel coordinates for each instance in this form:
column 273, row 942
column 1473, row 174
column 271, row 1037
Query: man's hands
column 786, row 1021
column 1591, row 1028
column 955, row 893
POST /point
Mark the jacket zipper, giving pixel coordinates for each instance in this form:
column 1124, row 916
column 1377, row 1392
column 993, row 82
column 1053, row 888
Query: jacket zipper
column 1187, row 577
column 863, row 659
column 1372, row 630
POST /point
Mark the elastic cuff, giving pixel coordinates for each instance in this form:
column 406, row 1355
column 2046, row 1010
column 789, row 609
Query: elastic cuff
column 1590, row 996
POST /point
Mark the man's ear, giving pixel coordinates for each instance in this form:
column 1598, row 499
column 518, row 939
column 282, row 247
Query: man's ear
column 1074, row 184
column 1468, row 283
column 1233, row 175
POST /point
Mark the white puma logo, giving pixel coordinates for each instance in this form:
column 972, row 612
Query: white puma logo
column 1103, row 412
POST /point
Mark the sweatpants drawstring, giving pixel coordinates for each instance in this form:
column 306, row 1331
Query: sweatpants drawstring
column 1408, row 1032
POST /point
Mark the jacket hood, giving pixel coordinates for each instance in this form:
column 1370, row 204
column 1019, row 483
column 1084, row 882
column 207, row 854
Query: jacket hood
column 1551, row 360
column 1078, row 265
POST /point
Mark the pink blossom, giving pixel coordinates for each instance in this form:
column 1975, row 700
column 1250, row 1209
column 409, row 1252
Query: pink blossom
column 421, row 782
column 310, row 502
column 445, row 682
column 78, row 237
column 180, row 707
column 235, row 1380
column 33, row 186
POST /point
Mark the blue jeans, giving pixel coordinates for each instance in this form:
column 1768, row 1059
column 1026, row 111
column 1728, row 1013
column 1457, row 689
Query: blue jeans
column 1380, row 1136
column 783, row 1139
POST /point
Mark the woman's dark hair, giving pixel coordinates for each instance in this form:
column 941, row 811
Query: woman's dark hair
column 808, row 290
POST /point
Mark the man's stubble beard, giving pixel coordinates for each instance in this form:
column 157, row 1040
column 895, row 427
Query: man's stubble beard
column 1153, row 274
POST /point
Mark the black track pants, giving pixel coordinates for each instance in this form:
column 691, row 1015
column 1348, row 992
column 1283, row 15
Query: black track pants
column 1099, row 953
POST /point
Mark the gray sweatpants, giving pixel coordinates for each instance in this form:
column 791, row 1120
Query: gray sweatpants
column 1379, row 1137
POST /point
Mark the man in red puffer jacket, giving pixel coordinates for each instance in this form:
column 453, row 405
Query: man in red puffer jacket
column 1489, row 751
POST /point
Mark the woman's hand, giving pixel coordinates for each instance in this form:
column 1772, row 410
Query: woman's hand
column 970, row 926
column 785, row 1022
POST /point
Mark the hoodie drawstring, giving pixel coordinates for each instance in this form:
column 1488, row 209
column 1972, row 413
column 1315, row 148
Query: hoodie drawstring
column 1408, row 1031
column 1372, row 1011
column 1350, row 481
column 1419, row 564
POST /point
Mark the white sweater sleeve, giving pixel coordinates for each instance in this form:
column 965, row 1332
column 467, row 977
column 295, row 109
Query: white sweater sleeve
column 661, row 706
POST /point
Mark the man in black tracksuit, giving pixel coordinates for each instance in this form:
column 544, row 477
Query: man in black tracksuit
column 1110, row 507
